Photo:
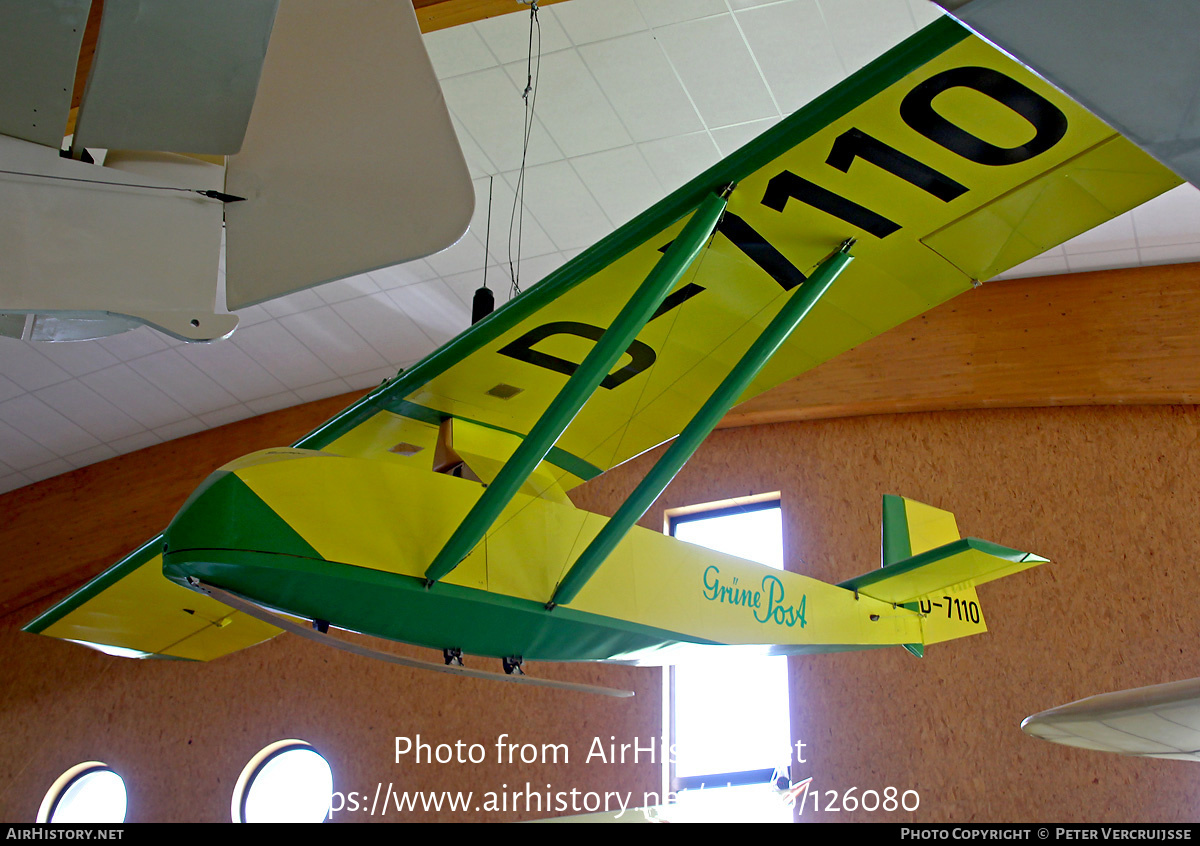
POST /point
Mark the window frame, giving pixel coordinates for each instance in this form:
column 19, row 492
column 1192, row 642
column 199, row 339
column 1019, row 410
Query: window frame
column 672, row 518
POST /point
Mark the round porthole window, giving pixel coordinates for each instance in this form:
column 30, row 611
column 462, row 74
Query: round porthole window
column 287, row 781
column 87, row 793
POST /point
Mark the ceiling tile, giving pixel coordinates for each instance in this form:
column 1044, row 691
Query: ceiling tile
column 13, row 481
column 435, row 308
column 134, row 343
column 32, row 417
column 185, row 427
column 638, row 80
column 265, row 405
column 184, row 383
column 332, row 340
column 1047, row 263
column 1102, row 260
column 570, row 105
column 373, row 378
column 78, row 357
column 457, row 50
column 1116, row 234
column 924, row 12
column 534, row 241
column 562, row 204
column 508, row 35
column 1170, row 254
column 225, row 416
column 250, row 315
column 665, row 12
column 100, row 418
column 678, row 160
column 489, row 105
column 402, row 274
column 135, row 442
column 128, row 391
column 385, row 327
column 794, row 51
column 1172, row 218
column 294, row 303
column 285, row 358
column 49, row 470
column 594, row 20
column 717, row 70
column 27, row 367
column 21, row 452
column 731, row 138
column 332, row 388
column 83, row 458
column 863, row 30
column 8, row 389
column 477, row 163
column 634, row 189
column 347, row 289
column 230, row 366
column 466, row 254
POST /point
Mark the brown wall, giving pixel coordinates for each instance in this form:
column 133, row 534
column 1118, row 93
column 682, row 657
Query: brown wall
column 180, row 733
column 1109, row 494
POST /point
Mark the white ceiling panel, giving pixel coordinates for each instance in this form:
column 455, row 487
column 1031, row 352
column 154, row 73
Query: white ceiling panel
column 659, row 13
column 43, row 424
column 793, row 49
column 96, row 415
column 718, row 70
column 122, row 386
column 636, row 97
column 508, row 36
column 558, row 199
column 334, row 341
column 586, row 21
column 232, row 368
column 623, row 199
column 643, row 88
column 279, row 352
column 571, row 106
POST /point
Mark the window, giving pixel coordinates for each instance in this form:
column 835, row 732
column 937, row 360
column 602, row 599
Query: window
column 730, row 716
column 87, row 793
column 287, row 781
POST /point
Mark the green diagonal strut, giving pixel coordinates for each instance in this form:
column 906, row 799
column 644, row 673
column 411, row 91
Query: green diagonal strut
column 579, row 387
column 797, row 307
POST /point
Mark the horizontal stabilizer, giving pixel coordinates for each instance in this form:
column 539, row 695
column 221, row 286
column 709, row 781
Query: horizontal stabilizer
column 963, row 563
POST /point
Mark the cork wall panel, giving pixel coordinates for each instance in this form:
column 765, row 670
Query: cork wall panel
column 1110, row 495
column 181, row 732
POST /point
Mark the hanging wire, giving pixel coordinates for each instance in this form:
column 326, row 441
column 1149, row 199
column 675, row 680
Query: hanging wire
column 487, row 238
column 517, row 220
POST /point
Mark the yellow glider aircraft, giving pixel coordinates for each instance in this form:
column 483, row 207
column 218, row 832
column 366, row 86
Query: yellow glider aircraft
column 433, row 511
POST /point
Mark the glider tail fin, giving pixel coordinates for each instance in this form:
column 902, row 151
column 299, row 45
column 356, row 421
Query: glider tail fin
column 930, row 569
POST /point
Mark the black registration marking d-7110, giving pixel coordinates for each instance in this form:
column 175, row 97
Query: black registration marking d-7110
column 854, row 143
column 788, row 186
column 1048, row 121
column 642, row 357
column 917, row 111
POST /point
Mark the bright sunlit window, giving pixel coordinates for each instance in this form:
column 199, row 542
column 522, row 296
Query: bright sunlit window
column 87, row 793
column 731, row 722
column 287, row 781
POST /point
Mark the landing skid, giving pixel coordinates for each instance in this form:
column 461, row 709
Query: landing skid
column 239, row 603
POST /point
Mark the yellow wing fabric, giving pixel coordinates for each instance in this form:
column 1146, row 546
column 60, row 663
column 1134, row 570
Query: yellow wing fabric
column 947, row 161
column 132, row 610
